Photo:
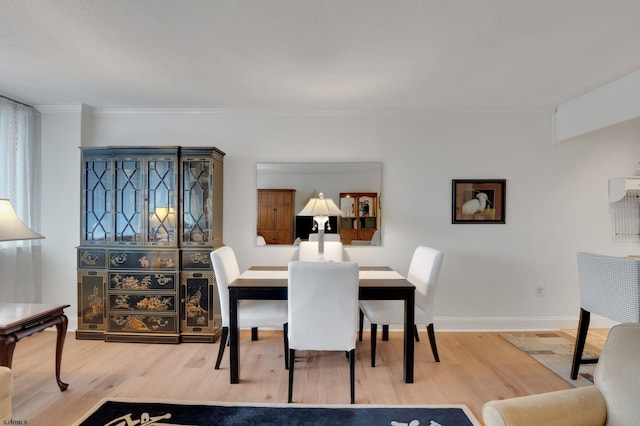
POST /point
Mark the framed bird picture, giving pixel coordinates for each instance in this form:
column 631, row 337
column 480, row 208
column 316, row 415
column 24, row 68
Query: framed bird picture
column 478, row 200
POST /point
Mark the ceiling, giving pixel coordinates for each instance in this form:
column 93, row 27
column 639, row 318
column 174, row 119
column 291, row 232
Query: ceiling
column 316, row 54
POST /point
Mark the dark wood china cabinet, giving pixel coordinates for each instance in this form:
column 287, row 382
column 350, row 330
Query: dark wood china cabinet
column 150, row 216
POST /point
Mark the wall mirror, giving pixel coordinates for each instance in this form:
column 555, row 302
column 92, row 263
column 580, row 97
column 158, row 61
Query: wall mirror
column 283, row 190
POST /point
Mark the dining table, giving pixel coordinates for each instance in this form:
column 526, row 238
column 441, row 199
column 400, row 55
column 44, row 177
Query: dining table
column 270, row 283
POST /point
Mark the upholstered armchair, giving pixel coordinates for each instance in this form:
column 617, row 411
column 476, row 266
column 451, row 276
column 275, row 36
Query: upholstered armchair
column 613, row 400
column 6, row 390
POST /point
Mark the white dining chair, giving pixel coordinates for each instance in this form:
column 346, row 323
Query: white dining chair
column 251, row 313
column 323, row 311
column 424, row 271
column 308, row 251
column 376, row 238
column 327, row 237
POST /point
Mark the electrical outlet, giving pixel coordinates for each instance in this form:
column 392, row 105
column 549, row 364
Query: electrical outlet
column 539, row 288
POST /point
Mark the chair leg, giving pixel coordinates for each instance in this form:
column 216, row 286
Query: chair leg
column 432, row 340
column 361, row 326
column 292, row 358
column 385, row 332
column 285, row 333
column 374, row 333
column 223, row 342
column 581, row 338
column 415, row 332
column 254, row 333
column 352, row 374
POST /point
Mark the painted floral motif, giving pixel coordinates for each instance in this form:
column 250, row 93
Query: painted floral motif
column 195, row 312
column 95, row 305
column 154, row 303
column 131, row 283
column 136, row 323
column 88, row 258
column 200, row 257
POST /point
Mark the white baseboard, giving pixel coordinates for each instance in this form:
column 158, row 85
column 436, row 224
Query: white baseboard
column 517, row 323
column 488, row 323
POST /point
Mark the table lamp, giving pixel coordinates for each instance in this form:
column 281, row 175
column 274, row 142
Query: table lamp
column 11, row 227
column 162, row 222
column 320, row 208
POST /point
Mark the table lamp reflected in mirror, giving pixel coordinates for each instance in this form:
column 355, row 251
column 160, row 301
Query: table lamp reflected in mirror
column 320, row 208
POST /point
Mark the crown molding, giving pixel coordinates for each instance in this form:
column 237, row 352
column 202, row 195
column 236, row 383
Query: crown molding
column 288, row 112
column 313, row 112
column 59, row 109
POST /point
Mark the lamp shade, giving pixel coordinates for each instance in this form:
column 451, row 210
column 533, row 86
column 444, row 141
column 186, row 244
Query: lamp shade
column 320, row 207
column 11, row 227
column 164, row 215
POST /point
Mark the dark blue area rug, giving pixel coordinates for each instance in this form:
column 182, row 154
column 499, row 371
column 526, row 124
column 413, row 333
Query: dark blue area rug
column 146, row 413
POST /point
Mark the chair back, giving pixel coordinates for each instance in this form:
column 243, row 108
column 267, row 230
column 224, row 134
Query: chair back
column 376, row 238
column 323, row 305
column 327, row 237
column 610, row 286
column 308, row 251
column 226, row 270
column 424, row 272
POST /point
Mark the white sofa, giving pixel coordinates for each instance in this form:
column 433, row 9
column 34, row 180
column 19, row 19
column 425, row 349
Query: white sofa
column 6, row 389
column 613, row 400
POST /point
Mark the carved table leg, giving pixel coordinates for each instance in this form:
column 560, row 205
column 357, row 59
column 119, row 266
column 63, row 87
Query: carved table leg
column 61, row 325
column 7, row 345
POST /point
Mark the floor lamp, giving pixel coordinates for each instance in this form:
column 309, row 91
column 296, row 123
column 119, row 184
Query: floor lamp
column 11, row 227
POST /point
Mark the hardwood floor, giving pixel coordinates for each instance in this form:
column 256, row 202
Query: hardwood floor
column 474, row 368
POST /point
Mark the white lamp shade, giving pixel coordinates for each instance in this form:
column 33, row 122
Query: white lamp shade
column 11, row 227
column 164, row 215
column 320, row 207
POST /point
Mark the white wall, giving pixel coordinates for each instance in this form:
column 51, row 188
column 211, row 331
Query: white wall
column 556, row 196
column 61, row 137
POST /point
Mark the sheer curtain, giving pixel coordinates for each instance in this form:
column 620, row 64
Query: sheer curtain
column 20, row 268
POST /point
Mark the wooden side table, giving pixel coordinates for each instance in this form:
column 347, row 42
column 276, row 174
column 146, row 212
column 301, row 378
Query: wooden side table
column 19, row 320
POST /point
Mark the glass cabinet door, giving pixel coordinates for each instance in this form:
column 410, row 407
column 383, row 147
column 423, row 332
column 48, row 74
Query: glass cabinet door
column 196, row 201
column 161, row 192
column 96, row 200
column 347, row 206
column 129, row 201
column 367, row 212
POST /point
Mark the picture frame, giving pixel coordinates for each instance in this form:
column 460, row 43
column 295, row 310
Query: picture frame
column 478, row 200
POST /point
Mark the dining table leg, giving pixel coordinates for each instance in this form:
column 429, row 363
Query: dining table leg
column 409, row 323
column 234, row 338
